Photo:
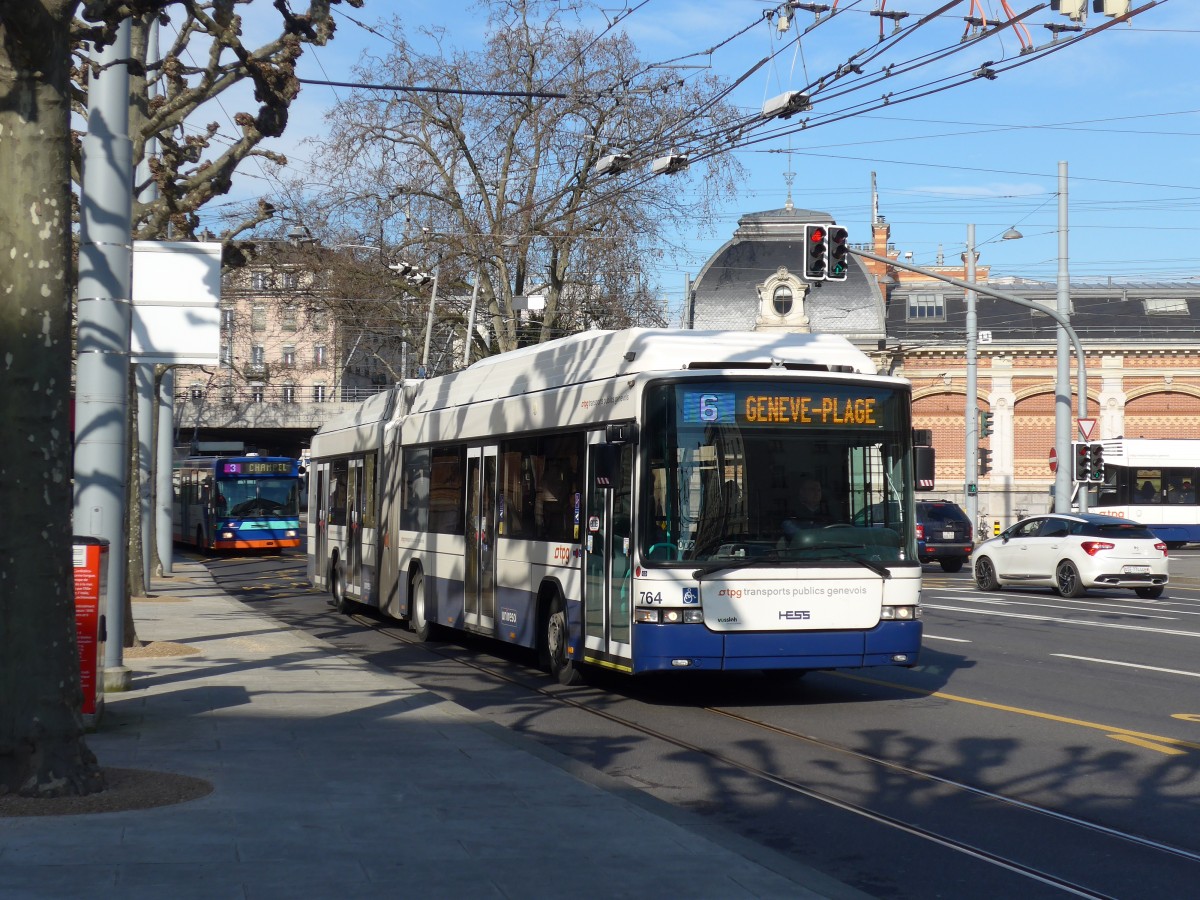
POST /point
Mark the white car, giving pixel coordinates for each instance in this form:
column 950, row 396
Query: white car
column 1074, row 552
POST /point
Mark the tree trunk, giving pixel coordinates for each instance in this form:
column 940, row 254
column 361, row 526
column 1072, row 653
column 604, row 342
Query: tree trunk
column 42, row 750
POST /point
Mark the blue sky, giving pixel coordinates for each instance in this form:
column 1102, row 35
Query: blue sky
column 1120, row 108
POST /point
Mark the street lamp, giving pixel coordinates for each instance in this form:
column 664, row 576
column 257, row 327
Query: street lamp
column 971, row 485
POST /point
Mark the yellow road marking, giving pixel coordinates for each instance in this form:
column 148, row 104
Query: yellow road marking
column 1125, row 734
column 1149, row 745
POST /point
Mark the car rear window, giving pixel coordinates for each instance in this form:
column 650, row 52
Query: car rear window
column 1128, row 530
column 942, row 512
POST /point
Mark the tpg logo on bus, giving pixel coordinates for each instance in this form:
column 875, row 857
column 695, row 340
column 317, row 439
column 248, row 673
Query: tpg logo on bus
column 562, row 554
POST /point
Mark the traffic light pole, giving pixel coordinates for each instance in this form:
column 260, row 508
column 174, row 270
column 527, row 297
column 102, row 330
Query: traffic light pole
column 1062, row 386
column 971, row 485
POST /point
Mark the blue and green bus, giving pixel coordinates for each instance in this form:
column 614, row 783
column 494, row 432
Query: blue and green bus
column 237, row 502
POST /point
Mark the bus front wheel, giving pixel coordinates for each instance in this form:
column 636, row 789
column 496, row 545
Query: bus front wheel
column 337, row 587
column 555, row 642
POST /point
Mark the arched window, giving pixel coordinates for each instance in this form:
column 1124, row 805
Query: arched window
column 781, row 300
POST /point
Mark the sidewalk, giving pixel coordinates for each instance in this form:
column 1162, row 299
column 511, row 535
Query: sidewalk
column 335, row 779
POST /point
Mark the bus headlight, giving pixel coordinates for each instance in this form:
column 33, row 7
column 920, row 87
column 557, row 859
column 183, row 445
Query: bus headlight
column 900, row 612
column 668, row 616
column 291, row 532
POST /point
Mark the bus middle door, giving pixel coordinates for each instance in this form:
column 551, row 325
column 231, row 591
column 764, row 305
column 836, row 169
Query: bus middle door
column 355, row 501
column 480, row 568
column 607, row 545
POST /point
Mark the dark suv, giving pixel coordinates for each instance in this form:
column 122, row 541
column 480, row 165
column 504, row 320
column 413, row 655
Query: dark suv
column 943, row 534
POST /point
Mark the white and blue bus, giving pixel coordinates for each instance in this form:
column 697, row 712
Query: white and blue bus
column 631, row 500
column 1152, row 481
column 236, row 502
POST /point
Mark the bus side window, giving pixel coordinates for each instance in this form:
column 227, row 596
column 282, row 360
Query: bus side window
column 447, row 490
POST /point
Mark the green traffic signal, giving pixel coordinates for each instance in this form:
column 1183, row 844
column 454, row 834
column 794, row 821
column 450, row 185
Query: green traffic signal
column 839, row 260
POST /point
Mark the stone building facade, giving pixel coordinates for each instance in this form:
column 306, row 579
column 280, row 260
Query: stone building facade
column 1141, row 343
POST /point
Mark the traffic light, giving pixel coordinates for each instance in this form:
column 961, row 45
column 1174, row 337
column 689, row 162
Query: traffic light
column 1072, row 9
column 985, row 460
column 985, row 423
column 816, row 247
column 1095, row 462
column 1082, row 462
column 839, row 253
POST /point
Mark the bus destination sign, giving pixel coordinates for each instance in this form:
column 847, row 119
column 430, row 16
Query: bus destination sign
column 245, row 467
column 757, row 407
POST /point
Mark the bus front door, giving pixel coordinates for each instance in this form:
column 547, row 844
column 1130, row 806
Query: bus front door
column 480, row 571
column 321, row 513
column 608, row 548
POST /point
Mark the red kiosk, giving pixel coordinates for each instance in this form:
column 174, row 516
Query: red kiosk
column 91, row 579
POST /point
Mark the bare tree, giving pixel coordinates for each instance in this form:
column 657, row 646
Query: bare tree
column 42, row 749
column 498, row 165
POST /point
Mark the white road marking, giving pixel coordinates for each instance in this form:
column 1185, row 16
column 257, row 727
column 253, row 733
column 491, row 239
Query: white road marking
column 1113, row 662
column 938, row 637
column 993, row 612
column 1103, row 607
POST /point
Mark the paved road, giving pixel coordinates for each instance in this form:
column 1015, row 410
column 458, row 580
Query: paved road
column 1085, row 713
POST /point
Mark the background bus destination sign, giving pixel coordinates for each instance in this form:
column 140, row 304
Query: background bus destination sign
column 828, row 407
column 245, row 467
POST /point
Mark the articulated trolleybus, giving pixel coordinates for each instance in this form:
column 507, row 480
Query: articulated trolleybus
column 1154, row 482
column 237, row 502
column 632, row 500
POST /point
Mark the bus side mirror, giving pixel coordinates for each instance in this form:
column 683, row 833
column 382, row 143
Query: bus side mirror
column 606, row 462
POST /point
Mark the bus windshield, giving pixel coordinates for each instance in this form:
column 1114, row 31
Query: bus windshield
column 258, row 497
column 776, row 470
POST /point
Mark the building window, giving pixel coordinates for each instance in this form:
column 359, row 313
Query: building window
column 289, row 357
column 318, row 393
column 258, row 355
column 317, row 320
column 926, row 308
column 258, row 317
column 290, row 281
column 289, row 393
column 319, row 355
column 256, row 393
column 197, row 393
column 288, row 320
column 226, row 354
column 781, row 300
column 258, row 281
column 227, row 319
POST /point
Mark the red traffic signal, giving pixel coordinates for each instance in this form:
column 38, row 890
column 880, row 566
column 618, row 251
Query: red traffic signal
column 816, row 247
column 1082, row 462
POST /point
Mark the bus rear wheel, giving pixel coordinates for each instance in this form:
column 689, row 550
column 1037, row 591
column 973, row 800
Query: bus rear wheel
column 554, row 644
column 418, row 621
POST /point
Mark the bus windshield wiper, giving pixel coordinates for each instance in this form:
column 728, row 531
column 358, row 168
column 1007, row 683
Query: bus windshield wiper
column 878, row 568
column 741, row 562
